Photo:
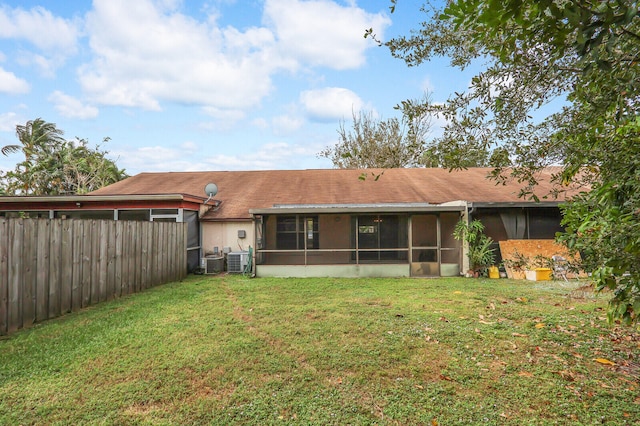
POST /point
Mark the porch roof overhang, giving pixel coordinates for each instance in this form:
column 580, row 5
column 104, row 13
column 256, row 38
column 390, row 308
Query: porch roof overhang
column 359, row 208
column 515, row 204
column 99, row 202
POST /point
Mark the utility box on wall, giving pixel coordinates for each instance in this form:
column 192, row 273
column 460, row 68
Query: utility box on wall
column 242, row 233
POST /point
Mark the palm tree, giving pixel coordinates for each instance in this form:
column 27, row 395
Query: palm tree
column 38, row 139
column 54, row 166
column 33, row 135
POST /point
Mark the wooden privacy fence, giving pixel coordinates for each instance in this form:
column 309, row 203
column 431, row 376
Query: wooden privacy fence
column 49, row 267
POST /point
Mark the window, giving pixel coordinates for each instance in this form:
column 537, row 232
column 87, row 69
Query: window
column 378, row 232
column 297, row 232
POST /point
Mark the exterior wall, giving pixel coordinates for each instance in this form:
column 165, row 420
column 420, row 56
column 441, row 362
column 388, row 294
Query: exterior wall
column 225, row 234
column 338, row 271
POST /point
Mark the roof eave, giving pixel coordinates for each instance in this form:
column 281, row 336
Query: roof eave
column 381, row 208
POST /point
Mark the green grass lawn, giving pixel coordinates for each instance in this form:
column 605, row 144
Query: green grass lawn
column 234, row 350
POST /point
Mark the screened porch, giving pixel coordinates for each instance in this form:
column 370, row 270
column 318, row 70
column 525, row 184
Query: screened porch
column 358, row 243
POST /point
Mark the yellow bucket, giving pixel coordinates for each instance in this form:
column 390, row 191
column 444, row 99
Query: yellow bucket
column 494, row 272
column 543, row 274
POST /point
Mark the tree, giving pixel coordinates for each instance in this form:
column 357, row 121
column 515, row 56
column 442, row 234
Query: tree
column 55, row 166
column 372, row 143
column 584, row 52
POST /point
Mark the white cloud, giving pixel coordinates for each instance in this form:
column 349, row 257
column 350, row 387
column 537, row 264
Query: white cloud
column 189, row 146
column 427, row 85
column 330, row 103
column 260, row 123
column 286, row 124
column 146, row 54
column 270, row 156
column 39, row 27
column 8, row 121
column 11, row 84
column 55, row 37
column 321, row 32
column 231, row 115
column 68, row 106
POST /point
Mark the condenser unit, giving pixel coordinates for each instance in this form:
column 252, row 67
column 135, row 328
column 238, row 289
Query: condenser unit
column 237, row 261
column 212, row 265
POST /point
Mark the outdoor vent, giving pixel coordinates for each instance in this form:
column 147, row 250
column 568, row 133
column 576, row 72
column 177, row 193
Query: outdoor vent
column 237, row 261
column 212, row 265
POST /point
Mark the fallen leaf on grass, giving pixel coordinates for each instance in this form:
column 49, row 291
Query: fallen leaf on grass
column 540, row 325
column 519, row 335
column 486, row 322
column 457, row 292
column 447, row 378
column 525, row 374
column 567, row 375
column 434, row 422
column 604, row 361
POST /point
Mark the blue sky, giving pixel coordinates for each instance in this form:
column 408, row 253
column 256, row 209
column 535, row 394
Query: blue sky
column 206, row 85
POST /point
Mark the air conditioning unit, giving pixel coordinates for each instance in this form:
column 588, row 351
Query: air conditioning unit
column 237, row 261
column 212, row 265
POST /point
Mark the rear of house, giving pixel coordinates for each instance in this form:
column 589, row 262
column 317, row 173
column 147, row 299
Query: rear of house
column 395, row 222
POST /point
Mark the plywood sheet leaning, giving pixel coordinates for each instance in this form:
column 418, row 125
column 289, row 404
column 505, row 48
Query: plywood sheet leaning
column 530, row 249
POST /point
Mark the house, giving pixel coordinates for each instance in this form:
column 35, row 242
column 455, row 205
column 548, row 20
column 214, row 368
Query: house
column 394, row 222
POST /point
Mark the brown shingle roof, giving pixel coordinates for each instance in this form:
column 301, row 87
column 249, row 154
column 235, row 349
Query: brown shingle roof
column 240, row 191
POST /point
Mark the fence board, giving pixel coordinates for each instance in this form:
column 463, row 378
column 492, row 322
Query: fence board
column 102, row 260
column 4, row 276
column 55, row 232
column 87, row 253
column 171, row 261
column 29, row 272
column 66, row 266
column 130, row 259
column 49, row 267
column 41, row 300
column 163, row 250
column 118, row 259
column 111, row 259
column 94, row 281
column 137, row 256
column 155, row 256
column 15, row 259
column 78, row 261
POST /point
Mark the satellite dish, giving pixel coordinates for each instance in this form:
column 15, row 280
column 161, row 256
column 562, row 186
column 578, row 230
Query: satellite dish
column 211, row 189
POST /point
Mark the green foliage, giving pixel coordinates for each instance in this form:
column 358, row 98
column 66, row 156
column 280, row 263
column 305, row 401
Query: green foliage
column 373, row 143
column 480, row 253
column 55, row 166
column 517, row 261
column 581, row 52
